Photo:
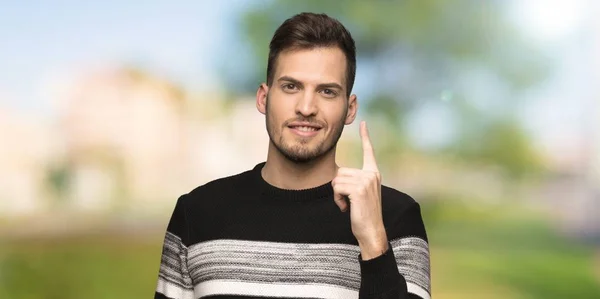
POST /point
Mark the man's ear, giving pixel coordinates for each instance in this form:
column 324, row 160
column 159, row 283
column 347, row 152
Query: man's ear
column 352, row 109
column 261, row 98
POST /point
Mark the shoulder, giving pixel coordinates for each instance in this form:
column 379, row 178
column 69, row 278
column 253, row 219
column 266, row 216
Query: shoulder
column 402, row 215
column 221, row 187
column 395, row 200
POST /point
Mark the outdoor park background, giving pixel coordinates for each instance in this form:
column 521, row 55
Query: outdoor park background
column 486, row 112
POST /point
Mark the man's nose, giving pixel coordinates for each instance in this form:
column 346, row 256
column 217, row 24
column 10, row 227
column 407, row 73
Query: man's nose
column 307, row 105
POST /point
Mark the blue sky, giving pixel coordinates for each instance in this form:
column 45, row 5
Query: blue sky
column 181, row 39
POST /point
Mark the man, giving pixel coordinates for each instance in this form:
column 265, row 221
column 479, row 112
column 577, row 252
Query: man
column 297, row 225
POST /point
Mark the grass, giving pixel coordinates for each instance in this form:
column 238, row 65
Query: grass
column 473, row 256
column 517, row 256
column 108, row 267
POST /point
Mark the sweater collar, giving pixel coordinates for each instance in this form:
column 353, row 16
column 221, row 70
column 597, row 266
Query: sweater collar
column 322, row 191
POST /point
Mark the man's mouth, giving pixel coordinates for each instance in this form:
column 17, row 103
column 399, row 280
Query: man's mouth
column 304, row 128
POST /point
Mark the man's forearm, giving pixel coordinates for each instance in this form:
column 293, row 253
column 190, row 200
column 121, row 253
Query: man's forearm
column 380, row 277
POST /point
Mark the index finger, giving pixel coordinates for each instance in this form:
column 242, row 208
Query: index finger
column 369, row 162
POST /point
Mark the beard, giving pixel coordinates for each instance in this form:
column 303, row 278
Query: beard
column 298, row 150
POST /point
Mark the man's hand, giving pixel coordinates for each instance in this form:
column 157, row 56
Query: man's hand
column 363, row 189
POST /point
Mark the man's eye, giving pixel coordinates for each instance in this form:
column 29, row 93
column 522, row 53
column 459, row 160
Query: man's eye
column 329, row 92
column 289, row 86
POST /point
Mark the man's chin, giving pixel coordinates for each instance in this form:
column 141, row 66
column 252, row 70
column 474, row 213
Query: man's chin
column 297, row 151
column 300, row 160
column 299, row 155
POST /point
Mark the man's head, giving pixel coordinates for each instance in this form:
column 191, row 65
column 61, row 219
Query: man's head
column 307, row 98
column 308, row 31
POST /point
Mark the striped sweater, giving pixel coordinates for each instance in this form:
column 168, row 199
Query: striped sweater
column 240, row 237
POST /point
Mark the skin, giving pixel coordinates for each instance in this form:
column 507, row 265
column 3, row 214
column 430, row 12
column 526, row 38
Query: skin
column 309, row 85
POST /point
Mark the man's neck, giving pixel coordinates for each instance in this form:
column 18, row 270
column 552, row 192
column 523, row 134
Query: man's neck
column 285, row 174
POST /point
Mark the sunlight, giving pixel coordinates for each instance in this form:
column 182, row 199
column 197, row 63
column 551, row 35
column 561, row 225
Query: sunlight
column 551, row 20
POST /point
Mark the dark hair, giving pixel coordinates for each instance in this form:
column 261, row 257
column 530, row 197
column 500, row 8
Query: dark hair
column 308, row 31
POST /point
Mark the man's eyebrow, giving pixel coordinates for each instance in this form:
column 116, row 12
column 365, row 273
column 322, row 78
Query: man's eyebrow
column 330, row 85
column 291, row 80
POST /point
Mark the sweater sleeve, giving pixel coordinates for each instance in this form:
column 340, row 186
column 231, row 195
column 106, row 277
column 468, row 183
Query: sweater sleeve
column 403, row 271
column 174, row 280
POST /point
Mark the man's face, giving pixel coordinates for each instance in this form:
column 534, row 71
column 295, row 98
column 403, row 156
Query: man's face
column 306, row 104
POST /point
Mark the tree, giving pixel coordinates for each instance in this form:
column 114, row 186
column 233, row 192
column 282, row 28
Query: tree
column 415, row 52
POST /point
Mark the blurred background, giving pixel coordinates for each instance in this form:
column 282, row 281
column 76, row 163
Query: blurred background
column 486, row 112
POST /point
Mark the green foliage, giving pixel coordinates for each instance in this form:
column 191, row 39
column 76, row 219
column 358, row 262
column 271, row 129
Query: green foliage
column 435, row 36
column 387, row 108
column 503, row 144
column 58, row 179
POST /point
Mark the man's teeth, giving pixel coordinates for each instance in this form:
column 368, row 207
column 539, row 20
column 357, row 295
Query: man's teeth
column 305, row 129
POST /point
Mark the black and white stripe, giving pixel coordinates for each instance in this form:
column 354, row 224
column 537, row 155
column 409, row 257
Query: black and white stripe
column 259, row 268
column 412, row 258
column 173, row 278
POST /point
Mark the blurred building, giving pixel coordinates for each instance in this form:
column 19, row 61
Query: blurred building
column 26, row 145
column 124, row 140
column 134, row 141
column 123, row 135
